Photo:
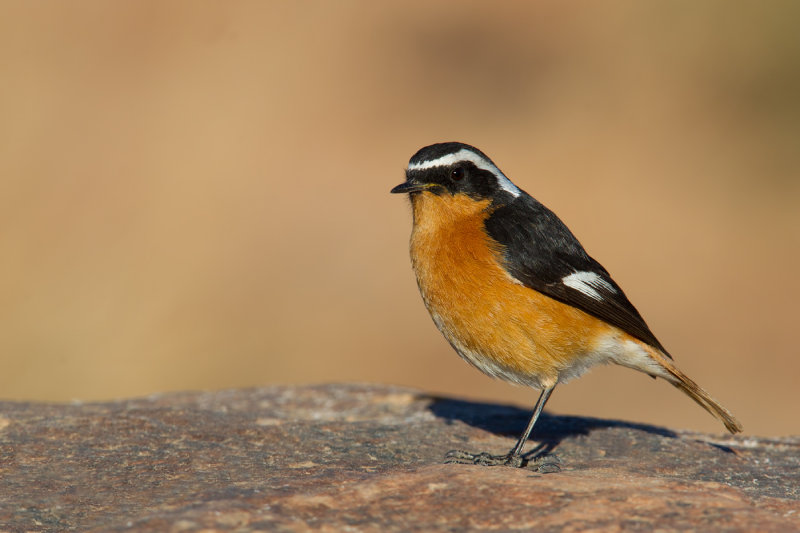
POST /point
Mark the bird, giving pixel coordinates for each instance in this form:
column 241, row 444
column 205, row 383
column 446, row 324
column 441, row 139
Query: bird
column 515, row 293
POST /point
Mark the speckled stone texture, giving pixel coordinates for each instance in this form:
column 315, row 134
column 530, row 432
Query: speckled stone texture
column 370, row 458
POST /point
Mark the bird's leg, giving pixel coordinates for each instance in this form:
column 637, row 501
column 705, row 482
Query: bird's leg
column 514, row 457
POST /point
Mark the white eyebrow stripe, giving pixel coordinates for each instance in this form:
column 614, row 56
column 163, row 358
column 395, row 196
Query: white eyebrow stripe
column 475, row 159
column 588, row 283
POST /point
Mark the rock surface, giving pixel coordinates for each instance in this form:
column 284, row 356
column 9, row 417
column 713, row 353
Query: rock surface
column 369, row 458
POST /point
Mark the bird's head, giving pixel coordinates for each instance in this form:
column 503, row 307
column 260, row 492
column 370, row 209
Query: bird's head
column 455, row 168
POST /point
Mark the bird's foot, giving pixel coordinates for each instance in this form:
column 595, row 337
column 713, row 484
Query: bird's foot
column 545, row 464
column 483, row 459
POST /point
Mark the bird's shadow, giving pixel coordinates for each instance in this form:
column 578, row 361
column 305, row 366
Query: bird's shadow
column 550, row 430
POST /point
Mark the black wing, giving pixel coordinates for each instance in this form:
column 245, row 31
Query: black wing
column 543, row 254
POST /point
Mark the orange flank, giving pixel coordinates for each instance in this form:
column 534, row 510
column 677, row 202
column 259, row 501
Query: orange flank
column 497, row 324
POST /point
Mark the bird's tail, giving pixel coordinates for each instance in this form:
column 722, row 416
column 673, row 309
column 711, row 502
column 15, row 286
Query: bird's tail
column 681, row 381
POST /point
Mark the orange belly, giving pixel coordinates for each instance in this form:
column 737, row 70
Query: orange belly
column 500, row 326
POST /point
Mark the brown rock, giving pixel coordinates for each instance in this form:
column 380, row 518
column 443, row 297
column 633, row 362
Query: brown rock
column 369, row 458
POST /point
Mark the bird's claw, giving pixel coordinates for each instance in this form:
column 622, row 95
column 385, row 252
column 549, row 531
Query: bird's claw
column 545, row 464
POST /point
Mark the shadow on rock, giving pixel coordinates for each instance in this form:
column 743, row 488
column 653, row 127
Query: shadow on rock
column 550, row 430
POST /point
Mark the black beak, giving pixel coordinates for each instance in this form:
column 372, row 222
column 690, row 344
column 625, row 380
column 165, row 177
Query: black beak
column 409, row 187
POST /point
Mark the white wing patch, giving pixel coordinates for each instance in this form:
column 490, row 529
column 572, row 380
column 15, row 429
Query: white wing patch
column 588, row 283
column 472, row 157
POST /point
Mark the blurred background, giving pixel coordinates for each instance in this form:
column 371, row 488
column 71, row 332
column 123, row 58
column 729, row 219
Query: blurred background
column 195, row 195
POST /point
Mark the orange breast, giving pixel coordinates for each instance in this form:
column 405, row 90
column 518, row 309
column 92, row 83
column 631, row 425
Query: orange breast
column 502, row 327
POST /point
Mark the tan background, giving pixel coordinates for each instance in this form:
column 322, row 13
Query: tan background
column 194, row 195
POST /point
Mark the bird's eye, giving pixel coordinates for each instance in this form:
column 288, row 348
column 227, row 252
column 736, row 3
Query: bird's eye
column 457, row 174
